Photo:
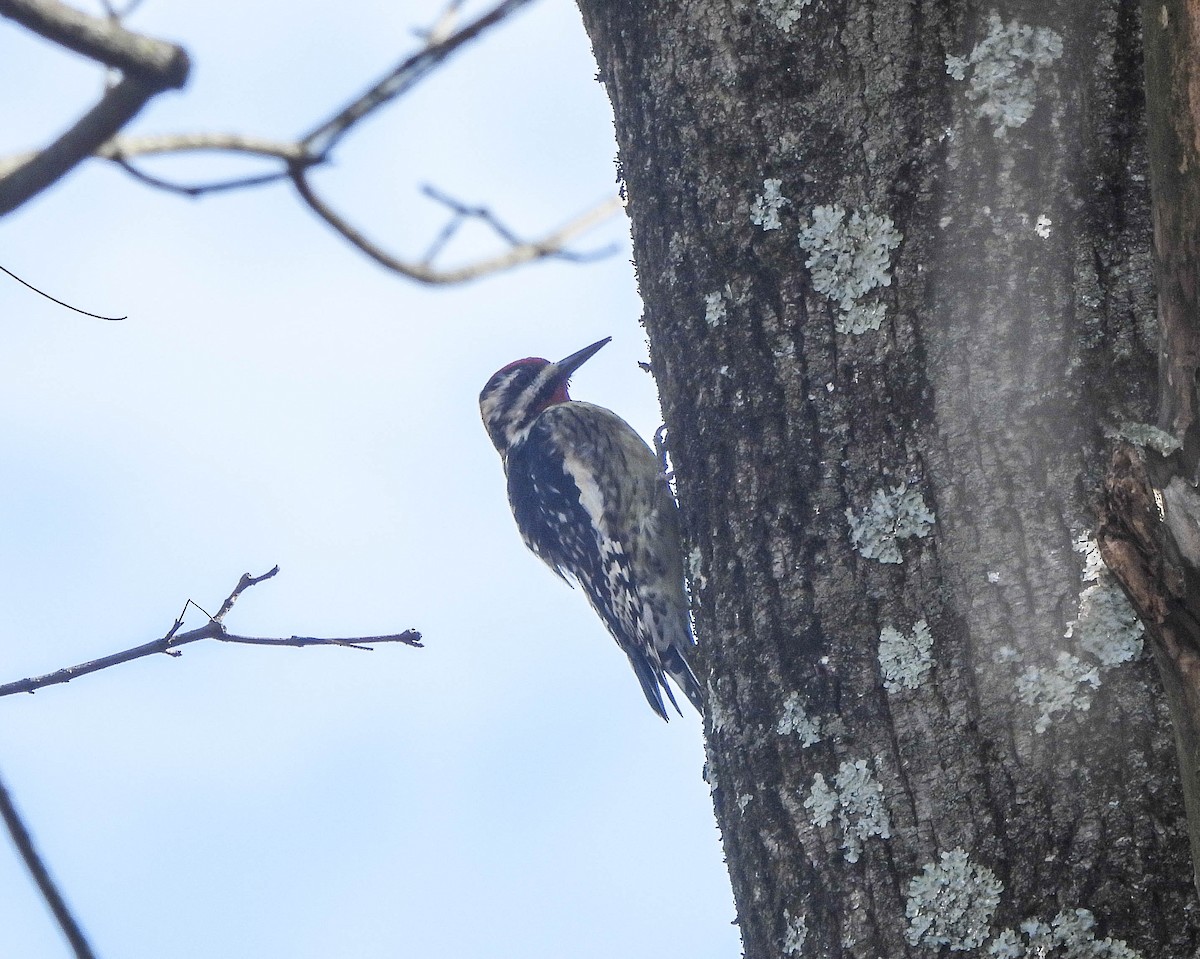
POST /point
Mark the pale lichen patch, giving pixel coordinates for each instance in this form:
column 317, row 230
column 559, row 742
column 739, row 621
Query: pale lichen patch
column 1004, row 69
column 849, row 256
column 857, row 799
column 951, row 903
column 796, row 721
column 892, row 515
column 1106, row 630
column 1066, row 685
column 794, row 933
column 764, row 211
column 905, row 660
column 1070, row 935
column 783, row 13
column 714, row 306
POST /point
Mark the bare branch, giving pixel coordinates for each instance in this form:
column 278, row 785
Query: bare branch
column 410, row 637
column 148, row 66
column 37, row 869
column 200, row 189
column 243, row 584
column 164, row 645
column 23, row 176
column 128, row 147
column 122, row 149
column 463, row 213
column 118, row 106
column 407, row 74
column 213, row 629
column 159, row 65
column 549, row 246
column 125, row 148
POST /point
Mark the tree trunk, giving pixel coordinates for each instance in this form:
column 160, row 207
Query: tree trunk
column 1150, row 529
column 896, row 266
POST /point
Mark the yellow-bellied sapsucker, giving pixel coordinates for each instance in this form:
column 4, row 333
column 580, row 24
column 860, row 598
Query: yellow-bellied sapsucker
column 590, row 499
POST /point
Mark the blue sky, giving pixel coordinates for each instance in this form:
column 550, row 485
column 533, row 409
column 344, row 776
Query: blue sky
column 276, row 398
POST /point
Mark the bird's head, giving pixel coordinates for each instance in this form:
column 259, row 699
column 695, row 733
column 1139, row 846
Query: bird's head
column 518, row 393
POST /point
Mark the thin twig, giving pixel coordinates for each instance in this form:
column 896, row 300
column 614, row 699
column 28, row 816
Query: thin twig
column 125, row 148
column 194, row 190
column 409, row 637
column 471, row 212
column 243, row 584
column 402, row 78
column 113, row 13
column 461, row 213
column 445, row 235
column 444, row 25
column 213, row 629
column 549, row 246
column 37, row 869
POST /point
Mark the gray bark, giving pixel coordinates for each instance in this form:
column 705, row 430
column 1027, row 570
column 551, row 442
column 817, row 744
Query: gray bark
column 997, row 215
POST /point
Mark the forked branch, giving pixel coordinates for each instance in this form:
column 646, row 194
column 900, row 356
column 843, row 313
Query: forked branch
column 550, row 246
column 148, row 66
column 213, row 629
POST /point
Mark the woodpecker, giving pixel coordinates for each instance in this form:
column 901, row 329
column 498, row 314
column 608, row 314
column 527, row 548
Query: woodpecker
column 591, row 500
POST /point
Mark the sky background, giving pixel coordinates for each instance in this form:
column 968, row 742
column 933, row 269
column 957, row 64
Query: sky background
column 274, row 397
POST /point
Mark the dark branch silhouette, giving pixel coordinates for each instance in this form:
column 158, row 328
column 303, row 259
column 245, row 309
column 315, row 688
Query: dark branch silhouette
column 41, row 876
column 213, row 629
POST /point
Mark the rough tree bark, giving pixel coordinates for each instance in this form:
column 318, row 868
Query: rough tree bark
column 1150, row 530
column 896, row 266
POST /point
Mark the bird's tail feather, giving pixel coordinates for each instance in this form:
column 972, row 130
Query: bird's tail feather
column 678, row 669
column 651, row 685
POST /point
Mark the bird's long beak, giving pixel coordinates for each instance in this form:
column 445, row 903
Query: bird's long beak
column 575, row 360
